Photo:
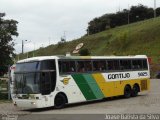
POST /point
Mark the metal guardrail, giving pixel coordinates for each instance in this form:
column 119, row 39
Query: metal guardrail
column 3, row 79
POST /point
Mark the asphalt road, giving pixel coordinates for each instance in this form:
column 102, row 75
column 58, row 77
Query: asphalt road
column 144, row 103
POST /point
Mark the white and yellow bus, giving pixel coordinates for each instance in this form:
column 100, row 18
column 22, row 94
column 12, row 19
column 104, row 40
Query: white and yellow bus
column 58, row 80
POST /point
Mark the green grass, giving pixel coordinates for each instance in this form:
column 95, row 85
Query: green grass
column 134, row 39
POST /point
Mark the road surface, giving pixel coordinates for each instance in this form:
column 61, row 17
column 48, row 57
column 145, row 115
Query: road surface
column 144, row 103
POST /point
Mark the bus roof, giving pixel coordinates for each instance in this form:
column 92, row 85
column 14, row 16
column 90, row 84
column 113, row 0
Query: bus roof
column 102, row 57
column 37, row 59
column 80, row 57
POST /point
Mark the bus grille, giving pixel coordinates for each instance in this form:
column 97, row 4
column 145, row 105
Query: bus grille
column 144, row 85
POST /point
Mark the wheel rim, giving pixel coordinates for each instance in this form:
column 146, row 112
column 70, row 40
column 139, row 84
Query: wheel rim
column 135, row 90
column 127, row 92
column 59, row 102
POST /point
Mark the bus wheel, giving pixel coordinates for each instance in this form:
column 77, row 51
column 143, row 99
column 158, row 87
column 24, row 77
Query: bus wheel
column 60, row 101
column 127, row 91
column 135, row 90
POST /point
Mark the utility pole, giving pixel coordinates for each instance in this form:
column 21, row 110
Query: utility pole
column 88, row 31
column 64, row 36
column 23, row 46
column 34, row 50
column 155, row 9
column 119, row 8
column 128, row 14
column 49, row 41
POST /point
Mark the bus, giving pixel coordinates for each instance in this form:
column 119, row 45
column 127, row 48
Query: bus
column 59, row 80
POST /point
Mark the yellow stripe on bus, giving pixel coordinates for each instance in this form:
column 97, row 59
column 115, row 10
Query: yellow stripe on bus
column 107, row 88
column 116, row 88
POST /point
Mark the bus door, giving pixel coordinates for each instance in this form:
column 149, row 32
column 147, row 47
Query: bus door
column 48, row 80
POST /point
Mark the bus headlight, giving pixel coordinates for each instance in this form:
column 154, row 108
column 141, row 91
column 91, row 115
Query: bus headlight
column 33, row 103
column 14, row 103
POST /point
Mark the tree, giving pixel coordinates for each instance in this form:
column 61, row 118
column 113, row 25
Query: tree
column 98, row 24
column 136, row 13
column 158, row 11
column 8, row 29
column 84, row 52
column 140, row 12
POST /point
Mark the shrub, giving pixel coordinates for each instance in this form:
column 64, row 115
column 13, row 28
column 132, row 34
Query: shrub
column 84, row 52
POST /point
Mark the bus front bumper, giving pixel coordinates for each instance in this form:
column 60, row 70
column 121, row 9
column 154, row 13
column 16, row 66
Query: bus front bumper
column 28, row 104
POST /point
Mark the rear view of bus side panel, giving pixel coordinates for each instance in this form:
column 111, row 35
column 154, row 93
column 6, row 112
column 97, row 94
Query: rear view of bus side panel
column 145, row 84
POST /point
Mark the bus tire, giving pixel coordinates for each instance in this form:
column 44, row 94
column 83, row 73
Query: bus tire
column 60, row 101
column 135, row 90
column 127, row 91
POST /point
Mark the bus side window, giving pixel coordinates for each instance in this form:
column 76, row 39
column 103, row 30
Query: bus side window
column 67, row 66
column 110, row 65
column 137, row 64
column 102, row 65
column 80, row 66
column 95, row 66
column 72, row 66
column 145, row 66
column 84, row 66
column 125, row 64
column 113, row 64
column 116, row 65
column 99, row 65
column 88, row 66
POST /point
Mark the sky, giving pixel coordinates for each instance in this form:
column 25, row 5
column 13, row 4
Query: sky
column 44, row 22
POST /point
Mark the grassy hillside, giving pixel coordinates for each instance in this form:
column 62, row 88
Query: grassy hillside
column 137, row 38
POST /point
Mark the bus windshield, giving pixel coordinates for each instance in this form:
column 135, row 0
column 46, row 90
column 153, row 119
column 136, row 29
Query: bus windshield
column 27, row 79
column 27, row 83
column 35, row 77
column 21, row 67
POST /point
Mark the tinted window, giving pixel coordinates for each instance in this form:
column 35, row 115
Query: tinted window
column 113, row 65
column 48, row 78
column 84, row 66
column 72, row 66
column 80, row 66
column 67, row 66
column 125, row 64
column 99, row 65
column 29, row 66
column 88, row 66
column 48, row 65
column 28, row 83
column 137, row 64
column 45, row 83
column 145, row 65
